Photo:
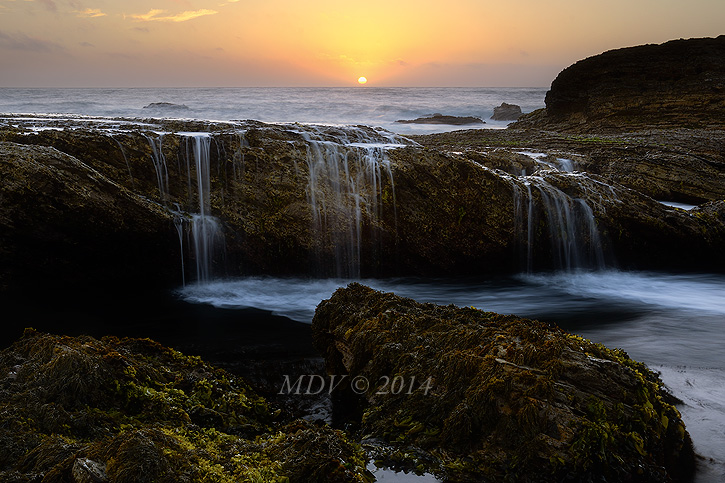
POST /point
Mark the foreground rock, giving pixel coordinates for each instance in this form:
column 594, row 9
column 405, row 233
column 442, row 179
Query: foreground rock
column 680, row 83
column 129, row 410
column 487, row 397
column 441, row 119
column 506, row 112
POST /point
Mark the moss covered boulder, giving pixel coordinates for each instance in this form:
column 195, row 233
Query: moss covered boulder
column 130, row 410
column 478, row 396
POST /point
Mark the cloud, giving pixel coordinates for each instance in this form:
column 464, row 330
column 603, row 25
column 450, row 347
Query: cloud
column 49, row 4
column 86, row 44
column 91, row 13
column 22, row 42
column 156, row 15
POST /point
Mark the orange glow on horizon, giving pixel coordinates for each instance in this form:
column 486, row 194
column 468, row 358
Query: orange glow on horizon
column 327, row 42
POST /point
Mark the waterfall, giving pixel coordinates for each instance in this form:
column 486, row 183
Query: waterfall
column 159, row 161
column 206, row 230
column 345, row 188
column 572, row 238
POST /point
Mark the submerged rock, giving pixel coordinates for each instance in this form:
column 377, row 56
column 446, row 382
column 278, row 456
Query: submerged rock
column 506, row 112
column 167, row 106
column 441, row 119
column 130, row 410
column 485, row 397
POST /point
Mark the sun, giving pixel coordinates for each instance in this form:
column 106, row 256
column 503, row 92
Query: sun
column 361, row 80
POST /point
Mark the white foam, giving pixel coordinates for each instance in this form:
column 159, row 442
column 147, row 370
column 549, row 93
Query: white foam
column 673, row 204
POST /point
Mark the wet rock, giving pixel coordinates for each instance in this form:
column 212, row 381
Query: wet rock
column 89, row 471
column 169, row 106
column 441, row 119
column 317, row 200
column 489, row 397
column 65, row 223
column 122, row 410
column 506, row 112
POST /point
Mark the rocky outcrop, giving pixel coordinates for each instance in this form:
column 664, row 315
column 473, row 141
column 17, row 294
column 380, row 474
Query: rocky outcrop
column 680, row 83
column 441, row 119
column 685, row 165
column 166, row 106
column 354, row 202
column 477, row 396
column 62, row 223
column 130, row 410
column 506, row 112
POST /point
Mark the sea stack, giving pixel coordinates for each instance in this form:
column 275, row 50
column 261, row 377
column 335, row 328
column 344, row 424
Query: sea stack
column 506, row 112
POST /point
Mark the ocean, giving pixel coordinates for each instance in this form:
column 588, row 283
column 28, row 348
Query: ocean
column 674, row 322
column 372, row 106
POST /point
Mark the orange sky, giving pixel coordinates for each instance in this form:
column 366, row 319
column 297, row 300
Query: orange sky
column 327, row 42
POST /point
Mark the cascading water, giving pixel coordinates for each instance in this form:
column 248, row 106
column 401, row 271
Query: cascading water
column 206, row 230
column 159, row 161
column 573, row 237
column 345, row 185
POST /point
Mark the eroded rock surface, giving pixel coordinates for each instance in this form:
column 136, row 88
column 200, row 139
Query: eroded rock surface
column 488, row 397
column 680, row 83
column 130, row 410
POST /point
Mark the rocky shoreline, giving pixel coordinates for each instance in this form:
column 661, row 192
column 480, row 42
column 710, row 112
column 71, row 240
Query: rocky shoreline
column 142, row 205
column 274, row 202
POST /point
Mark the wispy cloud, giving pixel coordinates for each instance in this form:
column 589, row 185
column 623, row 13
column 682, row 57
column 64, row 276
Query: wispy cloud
column 91, row 13
column 22, row 42
column 49, row 4
column 156, row 15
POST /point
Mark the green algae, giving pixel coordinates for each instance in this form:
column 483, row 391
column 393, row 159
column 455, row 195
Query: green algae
column 510, row 399
column 148, row 413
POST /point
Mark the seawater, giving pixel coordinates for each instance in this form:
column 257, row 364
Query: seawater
column 373, row 106
column 675, row 323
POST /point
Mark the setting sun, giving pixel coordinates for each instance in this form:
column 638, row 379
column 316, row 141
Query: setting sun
column 362, row 80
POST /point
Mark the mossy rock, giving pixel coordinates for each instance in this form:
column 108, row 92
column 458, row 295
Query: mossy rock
column 135, row 411
column 496, row 397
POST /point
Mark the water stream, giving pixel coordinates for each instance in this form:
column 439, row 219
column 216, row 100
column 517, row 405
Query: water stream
column 675, row 323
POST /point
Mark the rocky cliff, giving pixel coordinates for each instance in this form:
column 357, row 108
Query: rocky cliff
column 193, row 200
column 680, row 83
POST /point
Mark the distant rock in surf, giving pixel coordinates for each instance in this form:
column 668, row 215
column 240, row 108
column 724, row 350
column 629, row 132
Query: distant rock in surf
column 441, row 119
column 167, row 106
column 506, row 112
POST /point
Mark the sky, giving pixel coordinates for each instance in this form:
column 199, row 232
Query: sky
column 238, row 43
